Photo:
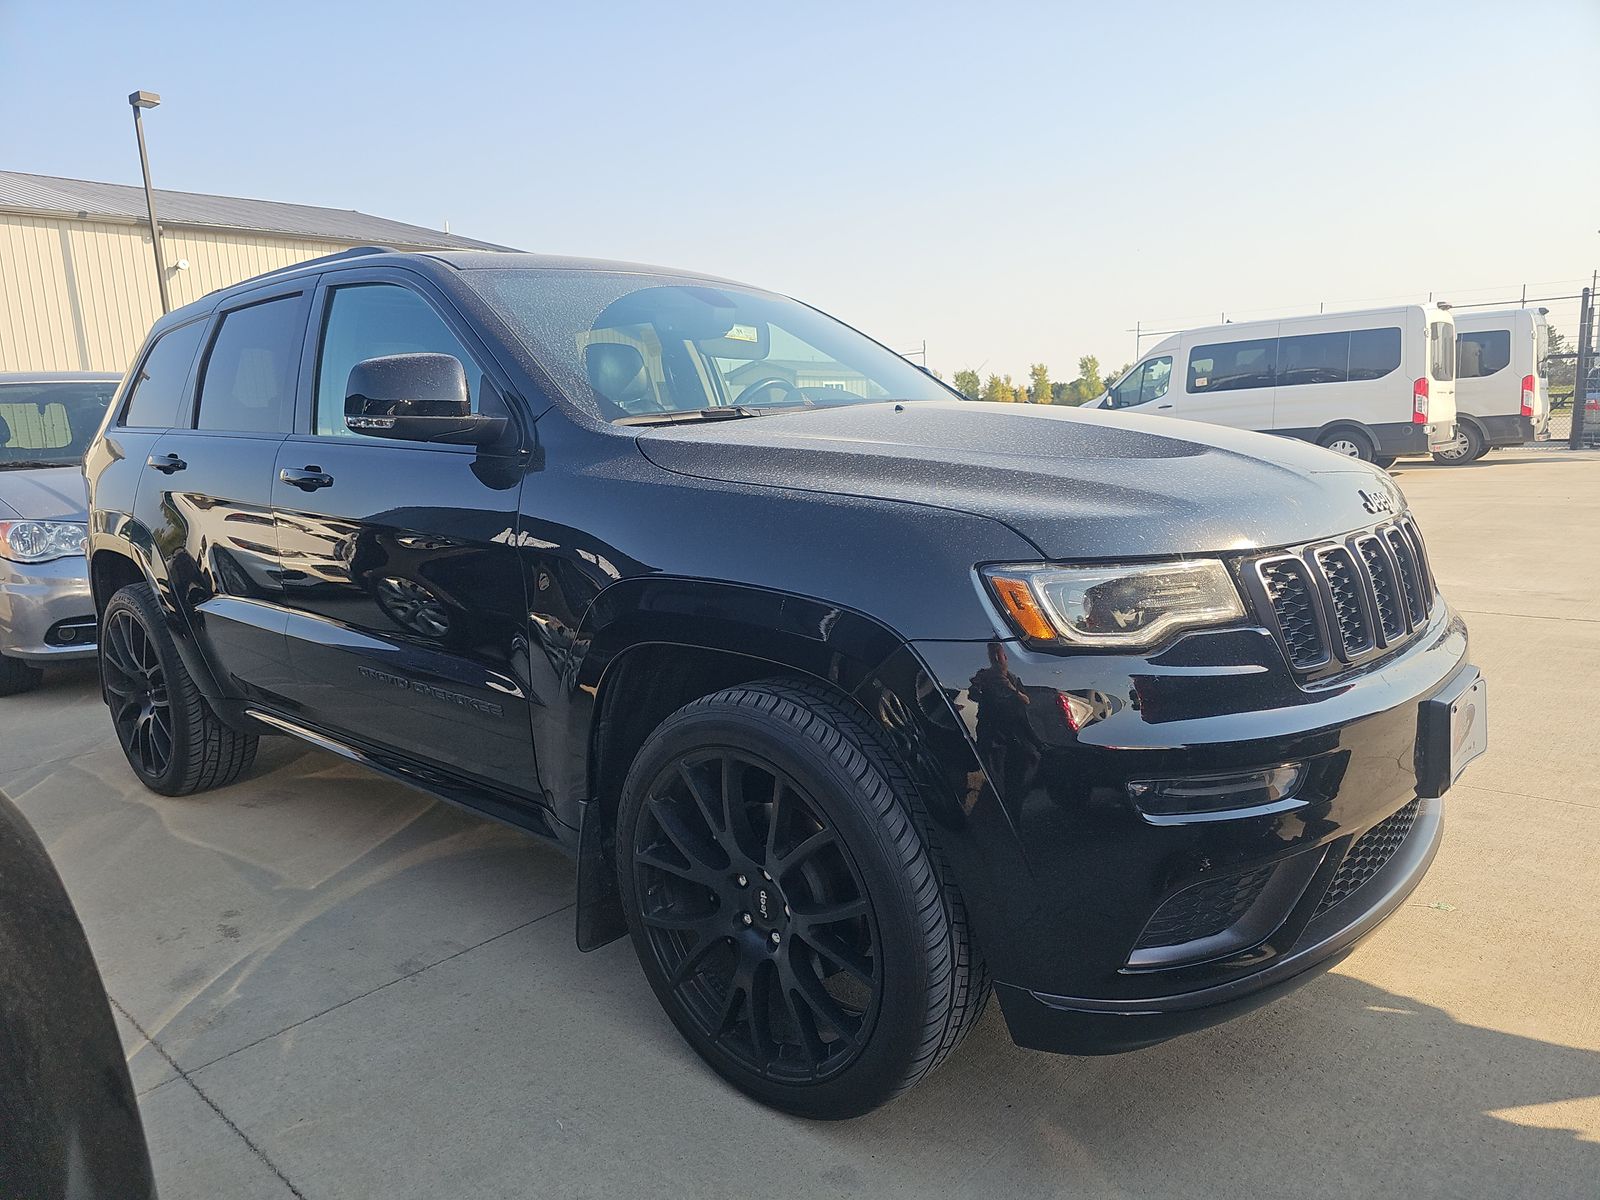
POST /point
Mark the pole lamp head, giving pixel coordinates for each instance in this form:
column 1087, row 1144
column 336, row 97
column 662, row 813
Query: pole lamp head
column 143, row 99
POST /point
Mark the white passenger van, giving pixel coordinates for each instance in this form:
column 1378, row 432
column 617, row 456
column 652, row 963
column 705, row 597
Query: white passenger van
column 1502, row 384
column 1374, row 385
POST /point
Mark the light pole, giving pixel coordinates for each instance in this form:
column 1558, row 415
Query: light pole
column 140, row 100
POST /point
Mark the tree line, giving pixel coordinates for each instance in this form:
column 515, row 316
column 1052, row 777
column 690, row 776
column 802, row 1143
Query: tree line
column 1040, row 388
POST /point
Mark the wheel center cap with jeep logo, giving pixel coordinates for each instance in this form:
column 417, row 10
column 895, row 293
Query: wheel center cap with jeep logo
column 767, row 904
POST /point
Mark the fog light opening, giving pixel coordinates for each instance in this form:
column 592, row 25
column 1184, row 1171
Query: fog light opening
column 1267, row 789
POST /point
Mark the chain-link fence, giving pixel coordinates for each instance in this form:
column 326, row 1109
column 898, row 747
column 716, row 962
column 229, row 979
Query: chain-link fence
column 1573, row 371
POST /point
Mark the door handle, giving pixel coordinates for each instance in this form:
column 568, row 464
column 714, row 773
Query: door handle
column 1163, row 406
column 167, row 464
column 308, row 479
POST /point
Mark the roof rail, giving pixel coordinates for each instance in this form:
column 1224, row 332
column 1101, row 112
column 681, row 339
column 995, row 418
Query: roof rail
column 353, row 252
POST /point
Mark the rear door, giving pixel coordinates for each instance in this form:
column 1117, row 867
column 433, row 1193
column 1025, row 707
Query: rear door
column 207, row 487
column 407, row 616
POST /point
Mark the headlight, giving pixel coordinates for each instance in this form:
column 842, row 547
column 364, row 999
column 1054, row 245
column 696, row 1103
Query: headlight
column 1125, row 608
column 40, row 541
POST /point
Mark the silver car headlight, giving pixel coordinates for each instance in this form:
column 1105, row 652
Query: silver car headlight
column 1122, row 608
column 41, row 541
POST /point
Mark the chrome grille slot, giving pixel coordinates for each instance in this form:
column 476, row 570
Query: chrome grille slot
column 1388, row 603
column 1346, row 588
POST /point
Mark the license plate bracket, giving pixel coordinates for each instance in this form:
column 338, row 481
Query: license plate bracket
column 1452, row 730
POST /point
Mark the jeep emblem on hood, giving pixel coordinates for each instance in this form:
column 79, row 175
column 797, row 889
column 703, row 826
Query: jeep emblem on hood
column 1376, row 502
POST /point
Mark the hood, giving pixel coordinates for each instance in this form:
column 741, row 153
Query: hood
column 1076, row 484
column 43, row 494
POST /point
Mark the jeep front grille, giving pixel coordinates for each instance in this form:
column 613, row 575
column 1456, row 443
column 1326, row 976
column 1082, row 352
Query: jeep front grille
column 1342, row 603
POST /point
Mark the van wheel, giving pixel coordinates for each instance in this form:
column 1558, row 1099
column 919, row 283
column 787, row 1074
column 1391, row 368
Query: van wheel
column 173, row 741
column 17, row 676
column 1467, row 446
column 1352, row 443
column 788, row 903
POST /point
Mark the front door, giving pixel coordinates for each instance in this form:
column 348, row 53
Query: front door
column 406, row 612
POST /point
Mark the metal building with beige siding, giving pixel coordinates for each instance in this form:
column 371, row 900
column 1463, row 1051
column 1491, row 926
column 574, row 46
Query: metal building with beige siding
column 78, row 280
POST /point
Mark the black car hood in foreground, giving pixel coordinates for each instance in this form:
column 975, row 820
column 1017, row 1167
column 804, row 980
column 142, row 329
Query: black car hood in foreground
column 1077, row 484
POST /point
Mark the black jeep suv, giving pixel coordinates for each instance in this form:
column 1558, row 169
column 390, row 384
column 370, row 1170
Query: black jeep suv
column 849, row 695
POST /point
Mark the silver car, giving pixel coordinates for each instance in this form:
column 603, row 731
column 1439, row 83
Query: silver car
column 46, row 613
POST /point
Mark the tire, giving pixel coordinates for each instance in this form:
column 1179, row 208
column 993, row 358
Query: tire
column 174, row 742
column 1481, row 453
column 1385, row 461
column 1468, row 446
column 17, row 676
column 1351, row 443
column 834, row 850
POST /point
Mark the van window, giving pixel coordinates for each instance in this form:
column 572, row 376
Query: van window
column 158, row 388
column 1313, row 358
column 1374, row 353
column 1541, row 349
column 1442, row 351
column 1481, row 354
column 249, row 379
column 1228, row 366
column 1146, row 382
column 369, row 321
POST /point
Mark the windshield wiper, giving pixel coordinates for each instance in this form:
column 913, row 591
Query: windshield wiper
column 723, row 412
column 15, row 464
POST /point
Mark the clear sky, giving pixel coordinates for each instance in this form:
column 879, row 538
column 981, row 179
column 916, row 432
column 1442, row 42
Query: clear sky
column 1011, row 182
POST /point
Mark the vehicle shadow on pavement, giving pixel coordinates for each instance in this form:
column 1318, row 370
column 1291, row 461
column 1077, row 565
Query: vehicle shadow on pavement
column 1340, row 1089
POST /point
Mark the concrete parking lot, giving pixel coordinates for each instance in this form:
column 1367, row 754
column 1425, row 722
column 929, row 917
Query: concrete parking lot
column 331, row 986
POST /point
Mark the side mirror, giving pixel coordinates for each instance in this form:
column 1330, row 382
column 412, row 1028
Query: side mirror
column 416, row 398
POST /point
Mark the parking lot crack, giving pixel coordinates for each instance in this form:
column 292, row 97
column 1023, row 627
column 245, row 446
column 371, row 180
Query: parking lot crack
column 188, row 1078
column 386, row 984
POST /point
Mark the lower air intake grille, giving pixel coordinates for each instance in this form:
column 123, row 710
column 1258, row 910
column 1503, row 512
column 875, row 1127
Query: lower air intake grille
column 1204, row 909
column 1370, row 854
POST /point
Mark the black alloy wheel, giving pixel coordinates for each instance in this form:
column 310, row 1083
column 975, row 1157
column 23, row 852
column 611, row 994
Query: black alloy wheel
column 136, row 691
column 756, row 915
column 173, row 740
column 789, row 902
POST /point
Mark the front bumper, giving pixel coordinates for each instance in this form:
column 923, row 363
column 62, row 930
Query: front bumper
column 1065, row 879
column 1076, row 1025
column 46, row 610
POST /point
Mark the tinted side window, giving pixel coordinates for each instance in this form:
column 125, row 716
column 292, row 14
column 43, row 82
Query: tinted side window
column 1480, row 354
column 1313, row 358
column 158, row 388
column 371, row 320
column 1146, row 382
column 1228, row 366
column 1374, row 353
column 1442, row 351
column 250, row 374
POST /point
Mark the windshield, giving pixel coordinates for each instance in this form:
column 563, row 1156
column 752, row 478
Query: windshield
column 637, row 347
column 50, row 424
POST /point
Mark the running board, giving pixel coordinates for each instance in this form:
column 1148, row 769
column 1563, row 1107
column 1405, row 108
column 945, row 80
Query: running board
column 525, row 815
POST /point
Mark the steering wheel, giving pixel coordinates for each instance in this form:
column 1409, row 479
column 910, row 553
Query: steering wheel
column 772, row 381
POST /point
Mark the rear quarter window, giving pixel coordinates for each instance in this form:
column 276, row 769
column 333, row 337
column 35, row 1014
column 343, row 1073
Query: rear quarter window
column 157, row 390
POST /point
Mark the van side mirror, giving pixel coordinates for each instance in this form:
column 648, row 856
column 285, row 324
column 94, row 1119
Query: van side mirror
column 416, row 398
